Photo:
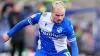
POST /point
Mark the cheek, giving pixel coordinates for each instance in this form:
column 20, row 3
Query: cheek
column 54, row 17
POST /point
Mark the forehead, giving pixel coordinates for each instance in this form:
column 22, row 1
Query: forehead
column 59, row 10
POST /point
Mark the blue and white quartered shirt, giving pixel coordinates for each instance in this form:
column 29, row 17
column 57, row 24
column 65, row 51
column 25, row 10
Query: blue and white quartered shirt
column 52, row 35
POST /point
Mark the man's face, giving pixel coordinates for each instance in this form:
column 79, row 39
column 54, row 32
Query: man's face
column 58, row 14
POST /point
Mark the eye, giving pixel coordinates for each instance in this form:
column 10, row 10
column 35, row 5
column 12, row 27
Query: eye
column 62, row 15
column 57, row 15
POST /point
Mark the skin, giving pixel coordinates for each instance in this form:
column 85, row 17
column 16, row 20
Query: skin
column 57, row 14
column 5, row 37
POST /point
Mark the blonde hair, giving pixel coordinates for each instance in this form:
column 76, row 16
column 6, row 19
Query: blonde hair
column 58, row 4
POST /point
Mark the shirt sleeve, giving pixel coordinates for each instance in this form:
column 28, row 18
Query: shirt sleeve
column 30, row 20
column 74, row 48
column 72, row 39
column 70, row 32
column 34, row 18
column 18, row 27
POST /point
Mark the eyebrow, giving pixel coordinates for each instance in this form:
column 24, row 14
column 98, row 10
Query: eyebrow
column 58, row 15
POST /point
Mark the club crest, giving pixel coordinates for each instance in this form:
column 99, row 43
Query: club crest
column 59, row 30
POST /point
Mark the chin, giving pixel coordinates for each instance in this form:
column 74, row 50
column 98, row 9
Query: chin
column 58, row 22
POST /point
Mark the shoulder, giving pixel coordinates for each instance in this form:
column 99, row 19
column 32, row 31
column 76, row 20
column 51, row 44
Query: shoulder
column 67, row 20
column 46, row 14
column 40, row 14
column 36, row 15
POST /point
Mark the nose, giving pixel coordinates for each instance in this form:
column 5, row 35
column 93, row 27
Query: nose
column 60, row 17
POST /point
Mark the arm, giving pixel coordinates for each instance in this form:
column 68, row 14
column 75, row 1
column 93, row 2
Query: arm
column 31, row 20
column 74, row 48
column 18, row 27
column 72, row 40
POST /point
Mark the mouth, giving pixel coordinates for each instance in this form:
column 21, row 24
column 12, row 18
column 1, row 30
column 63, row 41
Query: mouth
column 58, row 21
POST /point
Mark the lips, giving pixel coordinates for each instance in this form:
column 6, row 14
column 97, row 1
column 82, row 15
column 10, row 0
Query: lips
column 58, row 20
